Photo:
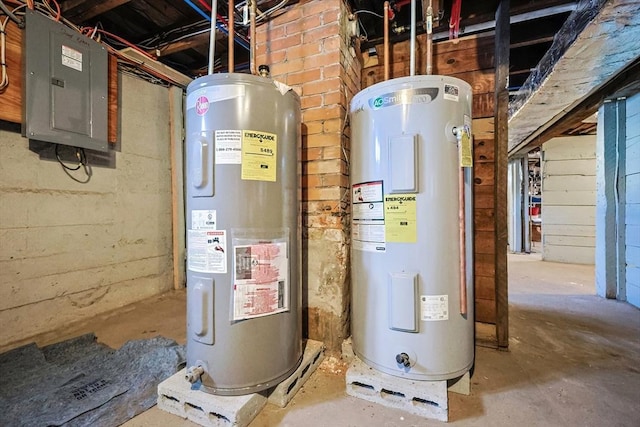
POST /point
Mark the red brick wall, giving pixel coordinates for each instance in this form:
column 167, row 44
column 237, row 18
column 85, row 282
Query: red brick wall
column 308, row 48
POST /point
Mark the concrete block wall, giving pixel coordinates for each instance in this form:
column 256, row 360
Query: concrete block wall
column 308, row 48
column 70, row 251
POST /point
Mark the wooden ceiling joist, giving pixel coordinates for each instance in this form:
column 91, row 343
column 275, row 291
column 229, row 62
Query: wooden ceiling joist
column 83, row 10
column 602, row 48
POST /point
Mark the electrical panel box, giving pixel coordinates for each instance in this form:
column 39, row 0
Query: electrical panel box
column 65, row 86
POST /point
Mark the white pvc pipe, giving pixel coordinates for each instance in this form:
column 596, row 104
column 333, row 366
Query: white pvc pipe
column 412, row 69
column 212, row 35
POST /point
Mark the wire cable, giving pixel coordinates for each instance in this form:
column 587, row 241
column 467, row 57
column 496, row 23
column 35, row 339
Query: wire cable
column 81, row 156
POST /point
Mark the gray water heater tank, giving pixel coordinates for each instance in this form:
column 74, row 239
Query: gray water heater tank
column 242, row 218
column 411, row 315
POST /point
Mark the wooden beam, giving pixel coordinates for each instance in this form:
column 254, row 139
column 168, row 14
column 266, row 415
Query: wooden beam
column 501, row 129
column 112, row 93
column 177, row 185
column 11, row 98
column 80, row 11
column 188, row 43
column 626, row 83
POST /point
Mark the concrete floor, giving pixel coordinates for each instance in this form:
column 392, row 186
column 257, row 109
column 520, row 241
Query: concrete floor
column 574, row 360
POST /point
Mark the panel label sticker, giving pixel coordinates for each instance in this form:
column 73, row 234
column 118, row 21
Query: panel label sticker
column 451, row 92
column 260, row 285
column 259, row 151
column 228, row 146
column 367, row 217
column 203, row 219
column 71, row 58
column 434, row 307
column 207, row 251
column 400, row 218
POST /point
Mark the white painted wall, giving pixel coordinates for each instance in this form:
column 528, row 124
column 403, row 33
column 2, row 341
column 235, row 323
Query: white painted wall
column 568, row 199
column 632, row 201
column 69, row 251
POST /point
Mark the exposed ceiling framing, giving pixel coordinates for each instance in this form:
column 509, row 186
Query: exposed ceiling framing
column 578, row 72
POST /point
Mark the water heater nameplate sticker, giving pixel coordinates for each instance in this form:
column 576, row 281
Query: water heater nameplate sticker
column 228, row 147
column 451, row 92
column 260, row 285
column 367, row 217
column 400, row 225
column 207, row 251
column 434, row 307
column 259, row 155
column 203, row 219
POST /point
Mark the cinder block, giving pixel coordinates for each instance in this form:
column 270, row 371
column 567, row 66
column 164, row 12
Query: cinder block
column 176, row 397
column 461, row 385
column 427, row 399
column 311, row 359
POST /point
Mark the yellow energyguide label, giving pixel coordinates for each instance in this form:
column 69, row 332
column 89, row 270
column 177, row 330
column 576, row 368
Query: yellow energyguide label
column 400, row 218
column 259, row 153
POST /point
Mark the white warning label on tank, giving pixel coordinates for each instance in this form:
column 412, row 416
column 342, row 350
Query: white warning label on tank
column 207, row 251
column 434, row 307
column 228, row 146
column 203, row 219
column 260, row 285
column 367, row 217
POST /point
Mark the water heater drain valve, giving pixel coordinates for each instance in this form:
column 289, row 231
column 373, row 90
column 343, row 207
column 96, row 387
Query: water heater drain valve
column 403, row 359
column 193, row 373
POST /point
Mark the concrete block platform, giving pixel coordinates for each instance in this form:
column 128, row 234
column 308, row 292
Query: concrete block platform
column 176, row 396
column 312, row 358
column 427, row 399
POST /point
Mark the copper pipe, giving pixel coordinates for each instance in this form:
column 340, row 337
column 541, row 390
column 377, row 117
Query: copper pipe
column 412, row 57
column 231, row 19
column 386, row 40
column 463, row 245
column 429, row 22
column 252, row 48
column 212, row 36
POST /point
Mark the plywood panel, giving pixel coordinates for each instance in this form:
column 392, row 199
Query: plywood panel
column 484, row 220
column 483, row 150
column 11, row 98
column 485, row 311
column 483, row 129
column 485, row 287
column 483, row 196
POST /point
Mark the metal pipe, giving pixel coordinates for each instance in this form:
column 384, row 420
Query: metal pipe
column 212, row 36
column 429, row 21
column 252, row 49
column 412, row 68
column 463, row 243
column 386, row 40
column 231, row 19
